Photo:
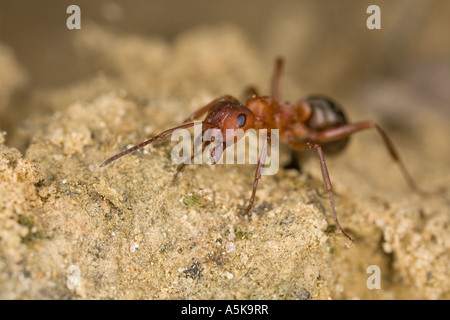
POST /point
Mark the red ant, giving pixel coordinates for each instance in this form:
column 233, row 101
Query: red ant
column 313, row 123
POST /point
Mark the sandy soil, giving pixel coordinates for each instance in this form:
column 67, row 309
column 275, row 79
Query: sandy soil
column 70, row 229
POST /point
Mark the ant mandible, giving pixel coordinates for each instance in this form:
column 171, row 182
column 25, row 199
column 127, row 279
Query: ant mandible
column 312, row 123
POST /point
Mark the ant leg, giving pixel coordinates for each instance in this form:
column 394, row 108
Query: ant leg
column 177, row 172
column 276, row 90
column 206, row 108
column 259, row 166
column 183, row 164
column 348, row 129
column 326, row 179
column 179, row 168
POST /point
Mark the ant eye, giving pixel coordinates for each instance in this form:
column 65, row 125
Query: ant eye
column 241, row 120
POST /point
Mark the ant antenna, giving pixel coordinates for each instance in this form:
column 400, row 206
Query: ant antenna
column 143, row 144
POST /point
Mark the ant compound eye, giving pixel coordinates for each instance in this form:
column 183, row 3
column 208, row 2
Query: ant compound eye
column 241, row 120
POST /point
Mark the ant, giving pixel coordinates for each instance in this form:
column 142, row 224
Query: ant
column 316, row 122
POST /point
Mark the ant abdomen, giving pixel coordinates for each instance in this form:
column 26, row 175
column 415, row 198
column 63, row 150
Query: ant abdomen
column 326, row 114
column 315, row 123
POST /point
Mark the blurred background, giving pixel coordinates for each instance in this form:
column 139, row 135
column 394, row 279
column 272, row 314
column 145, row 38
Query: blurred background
column 161, row 60
column 327, row 46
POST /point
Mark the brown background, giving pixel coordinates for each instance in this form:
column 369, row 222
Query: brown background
column 325, row 42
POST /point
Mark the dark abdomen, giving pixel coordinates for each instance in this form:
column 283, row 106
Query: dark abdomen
column 326, row 114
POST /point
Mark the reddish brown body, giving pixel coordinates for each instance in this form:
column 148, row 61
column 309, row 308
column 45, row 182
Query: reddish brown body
column 313, row 123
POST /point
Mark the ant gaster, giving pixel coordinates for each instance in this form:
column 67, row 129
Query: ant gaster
column 312, row 123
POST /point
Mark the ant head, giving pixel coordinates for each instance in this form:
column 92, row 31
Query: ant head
column 229, row 115
column 232, row 120
column 222, row 116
